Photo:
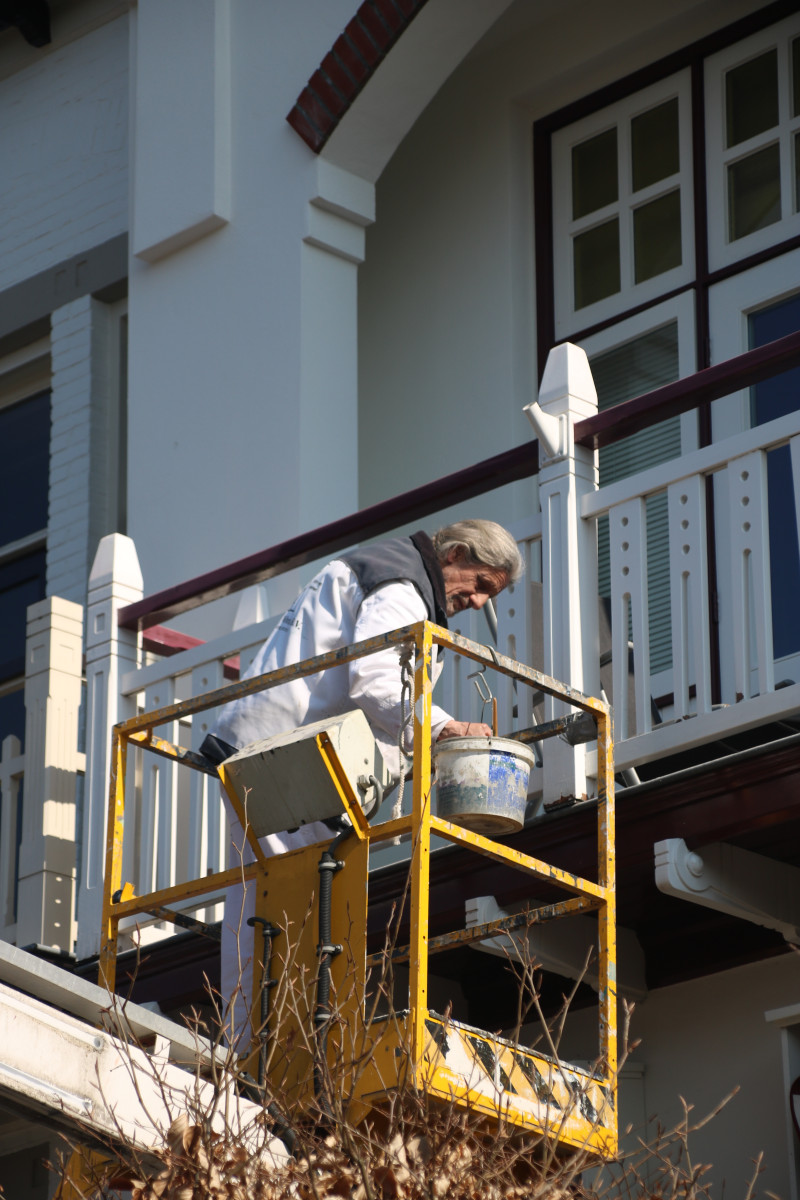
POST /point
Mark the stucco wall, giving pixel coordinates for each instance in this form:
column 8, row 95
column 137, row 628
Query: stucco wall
column 702, row 1040
column 63, row 143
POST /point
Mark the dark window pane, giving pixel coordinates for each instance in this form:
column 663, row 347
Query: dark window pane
column 594, row 174
column 654, row 145
column 751, row 98
column 25, row 438
column 12, row 715
column 22, row 582
column 754, row 192
column 771, row 399
column 657, row 236
column 796, row 77
column 596, row 263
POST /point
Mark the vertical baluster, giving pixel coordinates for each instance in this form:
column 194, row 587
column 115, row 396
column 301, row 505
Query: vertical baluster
column 628, row 554
column 208, row 837
column 750, row 575
column 689, row 594
column 159, row 802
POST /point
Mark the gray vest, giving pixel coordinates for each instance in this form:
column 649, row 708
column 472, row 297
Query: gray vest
column 402, row 559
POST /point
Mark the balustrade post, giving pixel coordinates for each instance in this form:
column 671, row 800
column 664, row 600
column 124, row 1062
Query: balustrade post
column 53, row 676
column 115, row 580
column 569, row 552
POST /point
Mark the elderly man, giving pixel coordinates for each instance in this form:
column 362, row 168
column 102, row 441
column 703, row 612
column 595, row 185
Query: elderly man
column 367, row 592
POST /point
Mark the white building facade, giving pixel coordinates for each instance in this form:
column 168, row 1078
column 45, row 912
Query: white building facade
column 220, row 329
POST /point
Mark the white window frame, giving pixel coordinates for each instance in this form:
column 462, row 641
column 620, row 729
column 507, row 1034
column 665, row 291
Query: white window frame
column 678, row 308
column 730, row 304
column 619, row 115
column 721, row 251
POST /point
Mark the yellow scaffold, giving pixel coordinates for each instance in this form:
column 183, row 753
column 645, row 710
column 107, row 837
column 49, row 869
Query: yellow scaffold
column 431, row 1052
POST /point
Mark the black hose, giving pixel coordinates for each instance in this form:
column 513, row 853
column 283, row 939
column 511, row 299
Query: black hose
column 328, row 866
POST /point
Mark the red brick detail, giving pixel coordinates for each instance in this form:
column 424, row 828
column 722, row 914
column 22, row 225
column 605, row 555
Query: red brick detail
column 348, row 66
column 364, row 44
column 391, row 15
column 377, row 29
column 302, row 126
column 329, row 95
column 316, row 110
column 346, row 53
column 339, row 75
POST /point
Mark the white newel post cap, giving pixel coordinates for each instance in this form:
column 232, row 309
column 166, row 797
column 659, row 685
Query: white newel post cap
column 567, row 395
column 116, row 561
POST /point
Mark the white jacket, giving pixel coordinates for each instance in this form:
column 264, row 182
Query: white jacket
column 331, row 612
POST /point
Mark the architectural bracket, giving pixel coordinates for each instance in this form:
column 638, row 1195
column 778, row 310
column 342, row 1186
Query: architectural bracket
column 561, row 946
column 734, row 881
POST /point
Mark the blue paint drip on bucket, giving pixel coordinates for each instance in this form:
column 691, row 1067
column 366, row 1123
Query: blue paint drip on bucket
column 482, row 783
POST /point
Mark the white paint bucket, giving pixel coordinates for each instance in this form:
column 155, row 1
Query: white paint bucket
column 482, row 783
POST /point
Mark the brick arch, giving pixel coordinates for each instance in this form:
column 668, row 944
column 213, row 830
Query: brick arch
column 348, row 66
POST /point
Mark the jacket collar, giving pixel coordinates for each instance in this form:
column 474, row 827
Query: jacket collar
column 433, row 570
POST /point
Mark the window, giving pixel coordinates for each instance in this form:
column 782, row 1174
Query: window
column 623, row 223
column 24, row 481
column 753, row 140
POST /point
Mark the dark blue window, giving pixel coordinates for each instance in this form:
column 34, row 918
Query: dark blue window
column 771, row 399
column 25, row 438
column 22, row 582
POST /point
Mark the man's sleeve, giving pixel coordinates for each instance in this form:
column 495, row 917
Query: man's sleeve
column 375, row 683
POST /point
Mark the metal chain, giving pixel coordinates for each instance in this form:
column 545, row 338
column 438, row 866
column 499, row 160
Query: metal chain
column 406, row 692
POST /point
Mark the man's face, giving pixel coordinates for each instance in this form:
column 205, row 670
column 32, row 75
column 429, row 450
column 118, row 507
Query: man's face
column 469, row 585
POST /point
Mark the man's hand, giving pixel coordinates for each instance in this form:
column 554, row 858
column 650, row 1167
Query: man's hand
column 464, row 729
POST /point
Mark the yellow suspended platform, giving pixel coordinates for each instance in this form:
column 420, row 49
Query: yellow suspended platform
column 371, row 1055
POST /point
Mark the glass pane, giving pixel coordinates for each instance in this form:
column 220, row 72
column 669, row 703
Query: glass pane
column 596, row 263
column 594, row 174
column 754, row 192
column 657, row 236
column 654, row 145
column 771, row 399
column 640, row 366
column 796, row 77
column 12, row 715
column 751, row 98
column 25, row 438
column 797, row 172
column 22, row 582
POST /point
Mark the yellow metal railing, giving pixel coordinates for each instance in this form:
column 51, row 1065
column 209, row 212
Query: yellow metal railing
column 592, row 1123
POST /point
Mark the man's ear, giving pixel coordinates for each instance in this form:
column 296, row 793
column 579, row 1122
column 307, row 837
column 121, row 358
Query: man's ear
column 455, row 554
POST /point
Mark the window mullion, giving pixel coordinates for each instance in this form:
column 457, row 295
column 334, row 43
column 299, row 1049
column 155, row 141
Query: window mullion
column 624, row 169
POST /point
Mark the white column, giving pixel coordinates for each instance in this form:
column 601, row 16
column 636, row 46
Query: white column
column 342, row 205
column 115, row 580
column 569, row 552
column 46, row 897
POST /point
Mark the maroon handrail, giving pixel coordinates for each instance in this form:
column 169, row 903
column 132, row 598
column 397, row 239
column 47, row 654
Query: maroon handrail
column 675, row 398
column 519, row 463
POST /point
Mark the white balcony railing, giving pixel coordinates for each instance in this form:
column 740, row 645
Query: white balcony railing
column 175, row 827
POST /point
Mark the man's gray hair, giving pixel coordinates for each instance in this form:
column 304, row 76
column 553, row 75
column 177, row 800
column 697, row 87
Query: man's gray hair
column 483, row 542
